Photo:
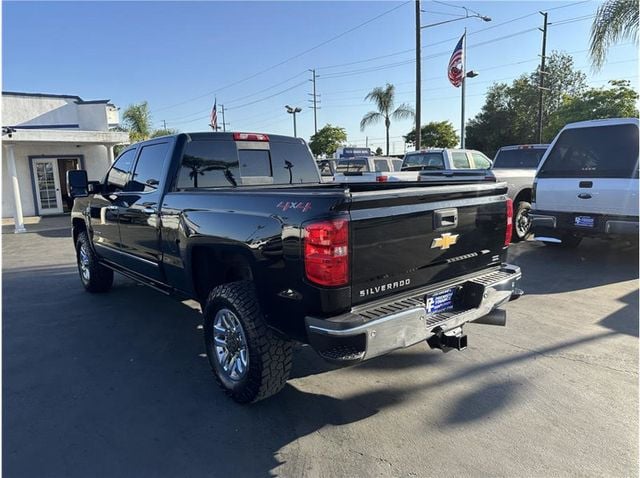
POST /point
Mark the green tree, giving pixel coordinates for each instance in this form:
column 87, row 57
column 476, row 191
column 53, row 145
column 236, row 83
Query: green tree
column 327, row 140
column 137, row 121
column 384, row 99
column 615, row 20
column 163, row 132
column 510, row 113
column 437, row 134
column 618, row 100
column 378, row 151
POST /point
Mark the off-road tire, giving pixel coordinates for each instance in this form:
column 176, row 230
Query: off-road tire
column 270, row 354
column 523, row 207
column 100, row 277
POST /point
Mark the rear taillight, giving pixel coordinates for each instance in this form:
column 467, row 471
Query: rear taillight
column 250, row 137
column 326, row 252
column 382, row 179
column 509, row 231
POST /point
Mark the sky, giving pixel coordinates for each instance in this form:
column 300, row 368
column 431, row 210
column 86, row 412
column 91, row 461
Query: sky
column 254, row 57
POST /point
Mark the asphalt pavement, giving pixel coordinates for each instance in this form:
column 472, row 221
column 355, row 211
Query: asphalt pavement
column 117, row 384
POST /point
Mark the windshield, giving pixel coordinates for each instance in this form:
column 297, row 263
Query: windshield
column 518, row 158
column 599, row 151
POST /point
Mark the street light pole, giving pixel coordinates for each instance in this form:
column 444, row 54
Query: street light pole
column 418, row 79
column 293, row 110
column 464, row 82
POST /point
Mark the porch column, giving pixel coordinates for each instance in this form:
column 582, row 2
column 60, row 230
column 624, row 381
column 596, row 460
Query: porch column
column 17, row 215
column 109, row 153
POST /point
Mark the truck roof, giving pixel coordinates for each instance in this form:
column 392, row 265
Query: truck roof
column 228, row 135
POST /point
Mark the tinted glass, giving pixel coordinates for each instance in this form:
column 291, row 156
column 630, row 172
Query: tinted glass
column 254, row 162
column 518, row 158
column 325, row 167
column 292, row 163
column 119, row 172
column 381, row 165
column 480, row 160
column 207, row 164
column 397, row 164
column 602, row 152
column 426, row 161
column 149, row 168
column 460, row 160
column 353, row 165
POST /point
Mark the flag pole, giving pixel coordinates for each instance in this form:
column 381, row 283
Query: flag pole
column 464, row 75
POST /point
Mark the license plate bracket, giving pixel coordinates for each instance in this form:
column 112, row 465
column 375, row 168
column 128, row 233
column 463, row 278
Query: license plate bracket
column 584, row 221
column 440, row 301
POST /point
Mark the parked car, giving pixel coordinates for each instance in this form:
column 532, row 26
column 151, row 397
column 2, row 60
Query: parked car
column 517, row 165
column 364, row 169
column 241, row 223
column 587, row 183
column 444, row 164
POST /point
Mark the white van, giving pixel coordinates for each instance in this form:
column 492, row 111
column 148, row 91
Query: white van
column 587, row 183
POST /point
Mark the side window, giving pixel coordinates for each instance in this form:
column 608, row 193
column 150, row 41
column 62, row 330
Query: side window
column 480, row 160
column 381, row 165
column 208, row 164
column 460, row 160
column 119, row 172
column 149, row 167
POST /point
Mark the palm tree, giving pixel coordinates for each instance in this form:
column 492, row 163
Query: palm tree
column 383, row 99
column 615, row 20
column 137, row 120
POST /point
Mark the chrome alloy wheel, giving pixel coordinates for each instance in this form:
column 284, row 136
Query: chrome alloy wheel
column 83, row 262
column 523, row 223
column 230, row 344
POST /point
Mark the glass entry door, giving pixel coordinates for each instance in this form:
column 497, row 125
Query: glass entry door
column 47, row 182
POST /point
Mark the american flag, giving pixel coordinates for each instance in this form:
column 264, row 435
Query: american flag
column 214, row 116
column 456, row 65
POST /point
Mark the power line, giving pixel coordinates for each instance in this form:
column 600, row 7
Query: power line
column 269, row 97
column 298, row 55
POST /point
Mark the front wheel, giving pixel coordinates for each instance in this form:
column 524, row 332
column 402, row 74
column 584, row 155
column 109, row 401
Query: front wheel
column 94, row 276
column 522, row 222
column 249, row 360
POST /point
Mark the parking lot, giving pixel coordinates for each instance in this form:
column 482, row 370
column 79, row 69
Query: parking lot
column 117, row 384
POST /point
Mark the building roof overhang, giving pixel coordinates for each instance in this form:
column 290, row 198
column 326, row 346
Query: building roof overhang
column 24, row 136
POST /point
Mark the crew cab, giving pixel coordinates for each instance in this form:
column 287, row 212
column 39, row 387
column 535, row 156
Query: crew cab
column 366, row 169
column 587, row 183
column 516, row 165
column 242, row 223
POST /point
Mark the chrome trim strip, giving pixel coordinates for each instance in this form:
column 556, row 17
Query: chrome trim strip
column 120, row 251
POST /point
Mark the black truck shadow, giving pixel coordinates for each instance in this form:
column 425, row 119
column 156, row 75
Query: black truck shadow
column 553, row 270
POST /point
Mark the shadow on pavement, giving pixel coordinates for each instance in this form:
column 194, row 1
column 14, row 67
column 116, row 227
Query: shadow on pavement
column 625, row 320
column 481, row 403
column 572, row 268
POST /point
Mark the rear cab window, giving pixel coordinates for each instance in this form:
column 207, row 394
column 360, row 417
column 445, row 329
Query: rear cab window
column 460, row 160
column 216, row 163
column 353, row 165
column 520, row 158
column 594, row 152
column 480, row 161
column 381, row 165
column 428, row 161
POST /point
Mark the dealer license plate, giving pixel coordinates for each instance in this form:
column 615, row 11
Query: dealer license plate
column 583, row 221
column 440, row 301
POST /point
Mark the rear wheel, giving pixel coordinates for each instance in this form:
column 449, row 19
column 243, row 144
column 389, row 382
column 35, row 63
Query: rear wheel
column 522, row 222
column 249, row 360
column 94, row 276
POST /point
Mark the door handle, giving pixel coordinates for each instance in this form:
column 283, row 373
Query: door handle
column 584, row 196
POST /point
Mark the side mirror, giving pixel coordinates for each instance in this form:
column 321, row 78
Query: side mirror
column 77, row 183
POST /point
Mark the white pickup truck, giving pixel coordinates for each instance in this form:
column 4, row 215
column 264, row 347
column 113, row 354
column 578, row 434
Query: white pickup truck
column 434, row 164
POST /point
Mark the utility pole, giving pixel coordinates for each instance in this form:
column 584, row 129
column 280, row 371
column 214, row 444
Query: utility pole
column 164, row 124
column 315, row 102
column 224, row 125
column 418, row 83
column 541, row 75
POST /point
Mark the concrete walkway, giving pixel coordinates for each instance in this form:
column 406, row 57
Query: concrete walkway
column 38, row 223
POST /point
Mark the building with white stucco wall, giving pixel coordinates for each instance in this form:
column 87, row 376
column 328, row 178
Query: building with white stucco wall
column 43, row 136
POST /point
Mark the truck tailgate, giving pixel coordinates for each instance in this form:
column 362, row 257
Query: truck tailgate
column 402, row 239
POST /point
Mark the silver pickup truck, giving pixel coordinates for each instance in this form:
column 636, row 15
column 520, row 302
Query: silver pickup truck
column 517, row 165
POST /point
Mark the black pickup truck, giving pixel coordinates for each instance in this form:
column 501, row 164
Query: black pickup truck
column 242, row 223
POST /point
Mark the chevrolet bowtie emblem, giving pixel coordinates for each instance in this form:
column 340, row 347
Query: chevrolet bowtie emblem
column 444, row 241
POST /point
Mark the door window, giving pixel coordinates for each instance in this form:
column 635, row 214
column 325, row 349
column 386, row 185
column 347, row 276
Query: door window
column 149, row 168
column 460, row 160
column 480, row 160
column 119, row 172
column 381, row 165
